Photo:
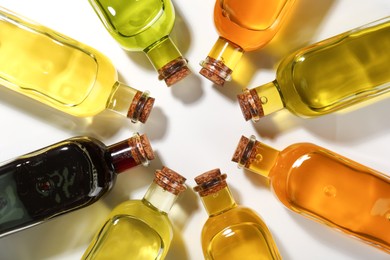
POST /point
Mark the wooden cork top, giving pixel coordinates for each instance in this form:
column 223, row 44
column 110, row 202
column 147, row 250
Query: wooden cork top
column 174, row 71
column 243, row 152
column 142, row 152
column 250, row 104
column 140, row 107
column 170, row 180
column 215, row 70
column 210, row 182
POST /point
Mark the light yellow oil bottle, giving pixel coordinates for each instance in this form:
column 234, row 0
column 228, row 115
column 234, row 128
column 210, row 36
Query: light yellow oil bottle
column 140, row 229
column 59, row 71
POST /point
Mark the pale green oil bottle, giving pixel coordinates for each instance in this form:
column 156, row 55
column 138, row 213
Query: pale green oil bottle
column 145, row 25
column 140, row 229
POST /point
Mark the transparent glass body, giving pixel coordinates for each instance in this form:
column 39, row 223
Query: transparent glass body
column 231, row 231
column 328, row 188
column 145, row 26
column 243, row 26
column 328, row 76
column 57, row 70
column 139, row 229
column 60, row 178
column 134, row 230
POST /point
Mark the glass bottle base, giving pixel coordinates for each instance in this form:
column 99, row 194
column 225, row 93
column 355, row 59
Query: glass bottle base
column 215, row 70
column 174, row 71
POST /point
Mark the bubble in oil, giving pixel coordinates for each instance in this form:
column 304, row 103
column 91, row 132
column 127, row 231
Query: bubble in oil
column 263, row 100
column 258, row 158
column 330, row 191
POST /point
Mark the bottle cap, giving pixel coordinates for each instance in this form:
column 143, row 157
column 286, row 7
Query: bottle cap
column 215, row 70
column 131, row 152
column 210, row 182
column 174, row 71
column 140, row 107
column 243, row 153
column 250, row 105
column 170, row 180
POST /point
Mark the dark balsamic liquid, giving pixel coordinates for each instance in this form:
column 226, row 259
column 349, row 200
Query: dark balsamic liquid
column 52, row 181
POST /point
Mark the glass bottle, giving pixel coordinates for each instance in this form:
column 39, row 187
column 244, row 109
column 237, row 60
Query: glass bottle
column 324, row 186
column 140, row 229
column 145, row 26
column 62, row 72
column 231, row 231
column 63, row 177
column 327, row 76
column 243, row 26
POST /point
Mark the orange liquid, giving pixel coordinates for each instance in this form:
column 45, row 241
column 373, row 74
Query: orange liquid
column 250, row 23
column 334, row 190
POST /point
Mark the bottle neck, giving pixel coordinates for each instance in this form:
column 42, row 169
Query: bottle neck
column 255, row 156
column 159, row 198
column 260, row 101
column 221, row 61
column 130, row 102
column 130, row 153
column 167, row 60
column 218, row 202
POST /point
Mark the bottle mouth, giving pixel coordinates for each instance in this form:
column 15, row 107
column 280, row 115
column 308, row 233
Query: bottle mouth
column 142, row 151
column 140, row 107
column 242, row 154
column 170, row 180
column 174, row 71
column 215, row 70
column 210, row 182
column 250, row 105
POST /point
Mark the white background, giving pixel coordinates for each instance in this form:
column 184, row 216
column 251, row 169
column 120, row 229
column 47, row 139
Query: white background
column 195, row 126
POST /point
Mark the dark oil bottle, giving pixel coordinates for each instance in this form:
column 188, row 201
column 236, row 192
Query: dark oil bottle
column 71, row 174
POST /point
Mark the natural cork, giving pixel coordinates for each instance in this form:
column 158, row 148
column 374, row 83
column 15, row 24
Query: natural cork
column 215, row 70
column 142, row 149
column 243, row 153
column 140, row 107
column 174, row 71
column 170, row 180
column 210, row 182
column 250, row 104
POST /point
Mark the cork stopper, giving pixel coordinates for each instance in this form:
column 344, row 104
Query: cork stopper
column 215, row 70
column 210, row 182
column 250, row 105
column 174, row 71
column 243, row 153
column 143, row 152
column 140, row 107
column 170, row 180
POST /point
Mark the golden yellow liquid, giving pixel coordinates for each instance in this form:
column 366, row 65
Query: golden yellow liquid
column 338, row 72
column 52, row 68
column 237, row 233
column 334, row 190
column 250, row 23
column 132, row 231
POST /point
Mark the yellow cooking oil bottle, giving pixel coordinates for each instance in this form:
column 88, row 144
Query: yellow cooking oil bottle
column 327, row 76
column 231, row 231
column 145, row 26
column 63, row 73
